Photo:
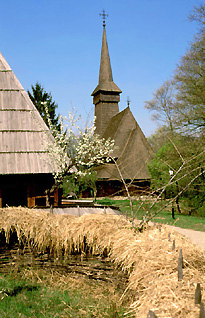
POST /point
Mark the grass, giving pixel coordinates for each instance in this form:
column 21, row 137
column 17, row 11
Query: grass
column 165, row 216
column 21, row 297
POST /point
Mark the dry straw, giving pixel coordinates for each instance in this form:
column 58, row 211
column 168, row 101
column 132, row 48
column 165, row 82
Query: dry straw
column 148, row 257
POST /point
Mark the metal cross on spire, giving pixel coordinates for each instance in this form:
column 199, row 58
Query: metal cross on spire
column 104, row 16
column 128, row 101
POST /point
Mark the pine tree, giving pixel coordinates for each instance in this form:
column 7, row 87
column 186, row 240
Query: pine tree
column 40, row 99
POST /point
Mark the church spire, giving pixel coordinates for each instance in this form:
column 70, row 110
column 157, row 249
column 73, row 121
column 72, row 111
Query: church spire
column 107, row 94
column 105, row 75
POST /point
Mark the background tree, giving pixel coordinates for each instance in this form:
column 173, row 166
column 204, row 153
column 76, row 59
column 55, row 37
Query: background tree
column 190, row 80
column 42, row 99
column 185, row 157
column 159, row 137
column 163, row 105
column 179, row 104
column 76, row 185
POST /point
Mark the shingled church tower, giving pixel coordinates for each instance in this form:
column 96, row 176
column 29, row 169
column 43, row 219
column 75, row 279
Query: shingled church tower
column 107, row 94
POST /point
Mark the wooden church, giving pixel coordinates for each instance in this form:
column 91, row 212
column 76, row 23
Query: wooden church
column 25, row 172
column 132, row 151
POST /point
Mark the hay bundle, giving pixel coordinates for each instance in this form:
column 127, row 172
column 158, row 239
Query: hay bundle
column 147, row 257
column 155, row 275
column 58, row 233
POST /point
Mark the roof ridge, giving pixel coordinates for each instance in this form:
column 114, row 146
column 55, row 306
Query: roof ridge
column 122, row 112
column 4, row 62
column 130, row 133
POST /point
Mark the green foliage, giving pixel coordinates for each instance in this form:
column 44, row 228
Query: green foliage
column 180, row 102
column 159, row 137
column 88, row 181
column 198, row 15
column 70, row 186
column 185, row 157
column 179, row 143
column 42, row 99
column 190, row 84
column 195, row 197
column 201, row 210
column 190, row 80
column 73, row 184
column 159, row 168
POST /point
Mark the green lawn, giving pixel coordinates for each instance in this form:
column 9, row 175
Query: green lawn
column 20, row 297
column 165, row 216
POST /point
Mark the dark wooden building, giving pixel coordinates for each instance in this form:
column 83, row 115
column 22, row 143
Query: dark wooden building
column 25, row 171
column 132, row 148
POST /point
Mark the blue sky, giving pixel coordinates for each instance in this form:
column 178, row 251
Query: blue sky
column 58, row 43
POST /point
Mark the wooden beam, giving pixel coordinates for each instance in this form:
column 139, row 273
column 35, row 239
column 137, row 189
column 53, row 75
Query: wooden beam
column 30, row 196
column 56, row 197
column 0, row 198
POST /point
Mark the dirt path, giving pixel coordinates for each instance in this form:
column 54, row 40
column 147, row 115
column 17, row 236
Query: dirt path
column 196, row 237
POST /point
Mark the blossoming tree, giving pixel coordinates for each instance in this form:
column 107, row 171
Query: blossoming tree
column 75, row 151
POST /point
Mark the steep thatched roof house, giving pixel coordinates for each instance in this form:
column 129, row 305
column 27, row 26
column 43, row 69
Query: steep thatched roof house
column 25, row 172
column 133, row 150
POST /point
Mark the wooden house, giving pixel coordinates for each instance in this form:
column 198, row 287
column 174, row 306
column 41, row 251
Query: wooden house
column 25, row 172
column 132, row 151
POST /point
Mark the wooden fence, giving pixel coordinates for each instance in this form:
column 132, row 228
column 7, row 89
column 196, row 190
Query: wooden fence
column 198, row 295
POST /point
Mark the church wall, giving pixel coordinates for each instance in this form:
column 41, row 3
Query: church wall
column 116, row 188
column 103, row 113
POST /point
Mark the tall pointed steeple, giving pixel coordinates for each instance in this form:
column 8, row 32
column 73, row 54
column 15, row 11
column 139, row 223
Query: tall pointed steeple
column 107, row 94
column 105, row 66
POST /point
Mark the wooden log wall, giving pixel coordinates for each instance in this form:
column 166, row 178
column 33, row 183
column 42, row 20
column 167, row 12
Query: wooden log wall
column 0, row 198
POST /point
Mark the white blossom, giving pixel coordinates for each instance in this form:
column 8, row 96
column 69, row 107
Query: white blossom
column 72, row 150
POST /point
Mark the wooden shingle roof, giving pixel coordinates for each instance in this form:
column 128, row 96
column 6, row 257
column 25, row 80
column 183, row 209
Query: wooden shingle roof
column 22, row 130
column 106, row 83
column 132, row 149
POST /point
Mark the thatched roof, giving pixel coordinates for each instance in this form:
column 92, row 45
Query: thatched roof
column 132, row 149
column 22, row 130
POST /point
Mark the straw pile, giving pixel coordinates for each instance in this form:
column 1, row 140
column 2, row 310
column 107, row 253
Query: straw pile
column 146, row 257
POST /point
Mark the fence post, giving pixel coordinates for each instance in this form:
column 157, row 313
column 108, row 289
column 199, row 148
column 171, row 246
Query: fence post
column 78, row 210
column 173, row 246
column 169, row 237
column 198, row 294
column 180, row 265
column 151, row 314
column 202, row 312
